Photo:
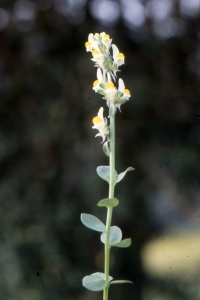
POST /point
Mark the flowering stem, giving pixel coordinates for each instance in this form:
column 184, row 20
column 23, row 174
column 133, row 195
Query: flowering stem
column 112, row 156
column 109, row 209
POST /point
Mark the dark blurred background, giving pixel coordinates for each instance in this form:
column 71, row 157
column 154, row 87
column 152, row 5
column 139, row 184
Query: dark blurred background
column 49, row 155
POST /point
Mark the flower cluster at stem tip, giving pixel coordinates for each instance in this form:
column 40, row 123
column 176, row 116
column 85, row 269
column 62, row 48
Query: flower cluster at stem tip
column 107, row 67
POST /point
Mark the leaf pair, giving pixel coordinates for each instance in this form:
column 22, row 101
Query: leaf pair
column 104, row 173
column 115, row 236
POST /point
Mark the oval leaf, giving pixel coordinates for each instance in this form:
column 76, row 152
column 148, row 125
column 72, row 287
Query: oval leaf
column 106, row 149
column 102, row 85
column 92, row 222
column 123, row 244
column 114, row 237
column 104, row 173
column 96, row 282
column 121, row 175
column 108, row 202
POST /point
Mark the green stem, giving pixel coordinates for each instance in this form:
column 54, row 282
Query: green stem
column 109, row 209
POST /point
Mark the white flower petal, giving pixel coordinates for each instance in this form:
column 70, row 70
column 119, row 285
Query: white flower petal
column 99, row 75
column 100, row 113
column 96, row 46
column 98, row 134
column 109, row 77
column 115, row 50
column 121, row 85
column 102, row 33
column 91, row 38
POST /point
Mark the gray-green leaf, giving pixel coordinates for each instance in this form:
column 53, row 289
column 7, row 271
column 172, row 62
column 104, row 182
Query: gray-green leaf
column 115, row 236
column 108, row 202
column 92, row 222
column 124, row 243
column 121, row 175
column 96, row 282
column 104, row 173
column 101, row 92
column 103, row 86
column 120, row 281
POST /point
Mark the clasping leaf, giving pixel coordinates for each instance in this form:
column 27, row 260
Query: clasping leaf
column 96, row 282
column 114, row 237
column 104, row 173
column 92, row 222
column 108, row 202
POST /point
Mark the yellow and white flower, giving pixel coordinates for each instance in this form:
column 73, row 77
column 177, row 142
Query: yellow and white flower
column 98, row 57
column 121, row 88
column 123, row 94
column 110, row 91
column 106, row 41
column 90, row 43
column 117, row 56
column 100, row 123
column 96, row 84
column 96, row 35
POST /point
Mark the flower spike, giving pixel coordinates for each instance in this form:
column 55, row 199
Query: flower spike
column 108, row 64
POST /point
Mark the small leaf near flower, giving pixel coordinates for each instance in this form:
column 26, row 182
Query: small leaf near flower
column 106, row 149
